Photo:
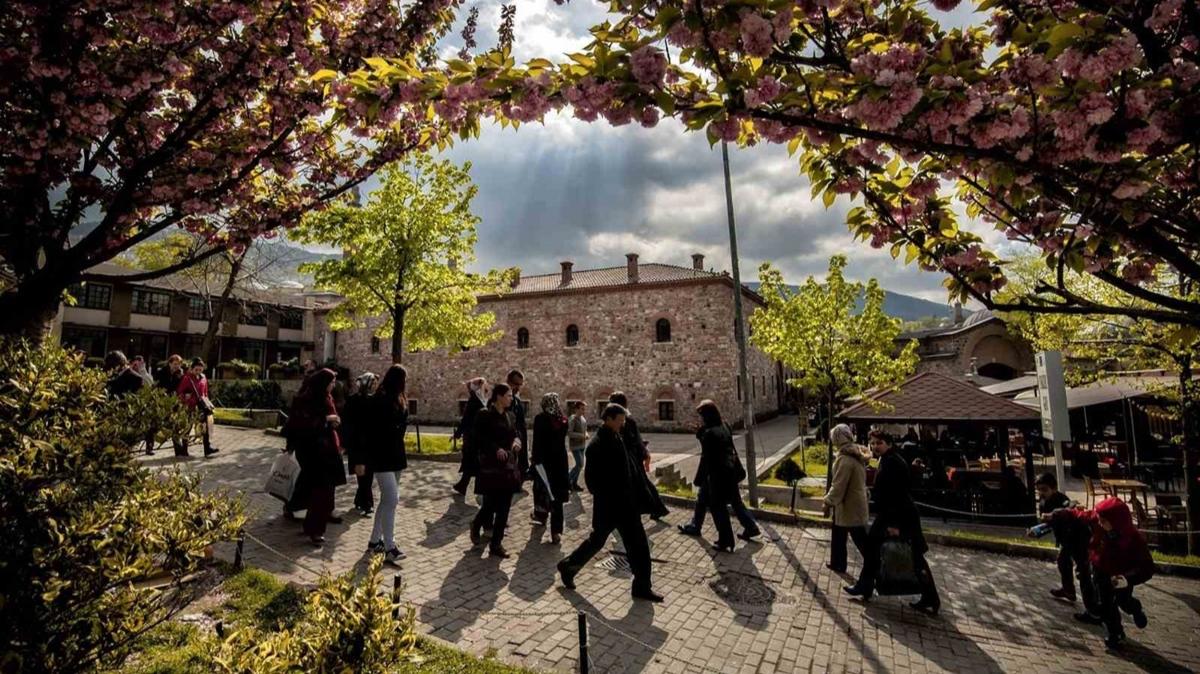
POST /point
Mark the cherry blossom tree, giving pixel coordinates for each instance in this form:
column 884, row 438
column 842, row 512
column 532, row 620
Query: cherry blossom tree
column 1068, row 126
column 120, row 120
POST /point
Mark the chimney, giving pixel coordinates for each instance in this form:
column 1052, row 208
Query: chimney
column 566, row 271
column 958, row 313
column 698, row 261
column 631, row 266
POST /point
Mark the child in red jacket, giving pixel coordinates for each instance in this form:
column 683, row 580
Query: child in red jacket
column 1120, row 560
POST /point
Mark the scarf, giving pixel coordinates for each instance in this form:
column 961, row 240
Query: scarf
column 551, row 405
column 478, row 388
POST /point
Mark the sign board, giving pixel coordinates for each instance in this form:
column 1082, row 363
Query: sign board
column 1052, row 396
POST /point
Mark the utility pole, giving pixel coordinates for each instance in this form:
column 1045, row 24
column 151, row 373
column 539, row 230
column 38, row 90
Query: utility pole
column 739, row 329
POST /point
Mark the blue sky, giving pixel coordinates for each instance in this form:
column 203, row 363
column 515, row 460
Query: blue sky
column 569, row 190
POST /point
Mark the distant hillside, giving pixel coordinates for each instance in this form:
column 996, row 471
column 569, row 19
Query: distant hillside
column 904, row 307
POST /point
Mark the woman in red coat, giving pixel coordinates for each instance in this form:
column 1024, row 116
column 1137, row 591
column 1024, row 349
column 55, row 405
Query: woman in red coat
column 311, row 430
column 1120, row 561
column 193, row 392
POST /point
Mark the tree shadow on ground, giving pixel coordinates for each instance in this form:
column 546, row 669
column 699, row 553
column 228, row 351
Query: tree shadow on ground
column 921, row 634
column 467, row 592
column 1143, row 658
column 625, row 644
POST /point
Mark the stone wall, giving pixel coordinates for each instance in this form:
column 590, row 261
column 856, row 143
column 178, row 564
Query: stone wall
column 616, row 351
column 988, row 342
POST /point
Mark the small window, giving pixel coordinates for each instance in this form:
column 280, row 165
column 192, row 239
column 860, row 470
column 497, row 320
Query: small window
column 92, row 295
column 199, row 309
column 374, row 344
column 151, row 302
column 522, row 338
column 412, row 407
column 662, row 330
column 291, row 319
column 252, row 315
column 666, row 410
column 572, row 335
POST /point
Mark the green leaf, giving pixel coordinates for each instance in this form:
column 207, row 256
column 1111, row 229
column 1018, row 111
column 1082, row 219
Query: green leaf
column 323, row 75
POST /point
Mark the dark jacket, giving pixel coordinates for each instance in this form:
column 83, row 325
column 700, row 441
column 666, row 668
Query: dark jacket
column 316, row 443
column 517, row 410
column 550, row 451
column 1122, row 551
column 385, row 435
column 613, row 478
column 633, row 441
column 466, row 430
column 494, row 431
column 1066, row 534
column 124, row 383
column 718, row 462
column 167, row 380
column 353, row 432
column 893, row 501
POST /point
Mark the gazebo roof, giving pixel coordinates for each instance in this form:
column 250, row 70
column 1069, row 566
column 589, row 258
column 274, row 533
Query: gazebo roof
column 932, row 397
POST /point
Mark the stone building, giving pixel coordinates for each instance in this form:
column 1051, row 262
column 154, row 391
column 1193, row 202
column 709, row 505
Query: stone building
column 978, row 345
column 663, row 334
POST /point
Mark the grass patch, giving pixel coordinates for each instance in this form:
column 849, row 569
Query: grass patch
column 224, row 415
column 431, row 443
column 680, row 490
column 1048, row 542
column 1182, row 560
column 433, row 658
column 811, row 460
column 257, row 598
column 171, row 648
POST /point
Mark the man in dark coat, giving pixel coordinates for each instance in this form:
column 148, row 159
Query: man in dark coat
column 468, row 466
column 122, row 380
column 619, row 495
column 896, row 516
column 516, row 414
column 640, row 454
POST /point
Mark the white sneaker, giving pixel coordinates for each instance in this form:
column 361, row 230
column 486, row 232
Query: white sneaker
column 395, row 555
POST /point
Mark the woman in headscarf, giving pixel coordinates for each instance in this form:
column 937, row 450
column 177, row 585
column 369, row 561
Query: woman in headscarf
column 550, row 453
column 500, row 475
column 312, row 433
column 847, row 497
column 355, row 419
column 476, row 401
column 388, row 423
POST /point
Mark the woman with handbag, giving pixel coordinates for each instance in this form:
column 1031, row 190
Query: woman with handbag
column 847, row 497
column 500, row 475
column 896, row 517
column 193, row 392
column 312, row 433
column 385, row 443
column 720, row 470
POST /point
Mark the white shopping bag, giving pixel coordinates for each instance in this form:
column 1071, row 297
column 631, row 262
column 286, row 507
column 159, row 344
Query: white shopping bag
column 282, row 480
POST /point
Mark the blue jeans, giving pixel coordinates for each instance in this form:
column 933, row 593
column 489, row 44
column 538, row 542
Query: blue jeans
column 573, row 476
column 384, row 528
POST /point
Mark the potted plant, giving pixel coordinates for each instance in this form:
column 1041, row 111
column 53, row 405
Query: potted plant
column 237, row 369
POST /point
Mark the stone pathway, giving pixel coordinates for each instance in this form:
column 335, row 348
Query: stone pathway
column 769, row 607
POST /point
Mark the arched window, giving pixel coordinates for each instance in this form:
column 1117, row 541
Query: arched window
column 522, row 338
column 662, row 330
column 572, row 335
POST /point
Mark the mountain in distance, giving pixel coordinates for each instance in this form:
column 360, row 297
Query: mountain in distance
column 898, row 305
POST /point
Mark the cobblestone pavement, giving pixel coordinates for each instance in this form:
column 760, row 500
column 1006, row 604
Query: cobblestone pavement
column 769, row 607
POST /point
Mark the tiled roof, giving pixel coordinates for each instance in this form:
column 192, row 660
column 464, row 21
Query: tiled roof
column 177, row 283
column 934, row 397
column 650, row 272
column 976, row 319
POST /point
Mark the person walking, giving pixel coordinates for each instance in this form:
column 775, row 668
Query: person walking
column 577, row 437
column 387, row 458
column 847, row 497
column 720, row 470
column 516, row 415
column 640, row 453
column 896, row 516
column 356, row 418
column 618, row 490
column 311, row 431
column 550, row 455
column 500, row 474
column 122, row 380
column 167, row 378
column 193, row 391
column 468, row 466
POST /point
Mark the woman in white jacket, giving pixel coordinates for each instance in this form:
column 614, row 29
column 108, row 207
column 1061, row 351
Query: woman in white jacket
column 847, row 496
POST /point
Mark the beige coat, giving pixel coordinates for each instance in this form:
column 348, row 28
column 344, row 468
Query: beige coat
column 848, row 490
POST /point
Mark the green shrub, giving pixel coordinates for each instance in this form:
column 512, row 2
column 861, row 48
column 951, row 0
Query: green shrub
column 816, row 454
column 241, row 369
column 253, row 393
column 83, row 522
column 285, row 367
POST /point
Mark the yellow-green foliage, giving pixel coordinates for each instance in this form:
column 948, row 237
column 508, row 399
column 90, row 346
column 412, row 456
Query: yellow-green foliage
column 82, row 520
column 431, row 444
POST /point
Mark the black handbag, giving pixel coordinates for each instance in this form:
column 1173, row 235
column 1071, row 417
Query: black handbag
column 898, row 573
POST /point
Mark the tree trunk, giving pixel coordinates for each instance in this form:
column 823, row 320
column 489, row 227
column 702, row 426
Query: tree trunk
column 28, row 310
column 208, row 347
column 1187, row 416
column 829, row 443
column 398, row 333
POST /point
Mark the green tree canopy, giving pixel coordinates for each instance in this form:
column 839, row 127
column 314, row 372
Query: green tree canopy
column 404, row 258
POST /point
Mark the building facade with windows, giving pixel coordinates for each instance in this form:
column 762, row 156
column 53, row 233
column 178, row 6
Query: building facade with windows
column 663, row 334
column 163, row 316
column 978, row 347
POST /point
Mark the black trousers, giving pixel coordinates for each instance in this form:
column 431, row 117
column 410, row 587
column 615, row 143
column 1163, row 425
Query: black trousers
column 1072, row 564
column 870, row 570
column 1113, row 601
column 637, row 547
column 837, row 545
column 493, row 514
column 739, row 511
column 363, row 497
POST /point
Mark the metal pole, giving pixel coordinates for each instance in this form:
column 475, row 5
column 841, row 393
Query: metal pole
column 739, row 327
column 396, row 583
column 237, row 555
column 583, row 644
